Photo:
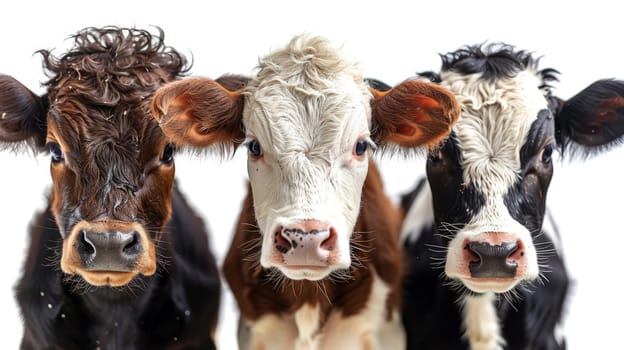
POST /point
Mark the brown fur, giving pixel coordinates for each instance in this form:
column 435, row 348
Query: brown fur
column 413, row 113
column 375, row 234
column 96, row 112
column 112, row 172
column 98, row 95
column 201, row 112
column 17, row 101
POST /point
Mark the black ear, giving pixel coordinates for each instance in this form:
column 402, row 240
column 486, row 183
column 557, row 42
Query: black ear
column 592, row 120
column 377, row 84
column 431, row 76
column 22, row 115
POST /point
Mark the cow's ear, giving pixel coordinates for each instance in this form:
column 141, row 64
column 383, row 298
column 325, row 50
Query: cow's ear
column 22, row 115
column 593, row 119
column 412, row 114
column 201, row 112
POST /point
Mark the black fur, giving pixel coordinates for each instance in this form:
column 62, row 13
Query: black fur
column 175, row 308
column 494, row 61
column 431, row 309
column 531, row 312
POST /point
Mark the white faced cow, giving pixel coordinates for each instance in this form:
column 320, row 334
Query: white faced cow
column 477, row 228
column 315, row 261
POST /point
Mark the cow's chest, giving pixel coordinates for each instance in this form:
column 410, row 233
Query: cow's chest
column 310, row 329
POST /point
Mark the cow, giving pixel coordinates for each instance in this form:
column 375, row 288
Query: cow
column 485, row 267
column 315, row 261
column 118, row 259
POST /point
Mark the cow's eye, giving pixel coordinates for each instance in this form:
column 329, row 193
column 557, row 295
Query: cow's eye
column 167, row 155
column 254, row 148
column 56, row 153
column 547, row 153
column 360, row 147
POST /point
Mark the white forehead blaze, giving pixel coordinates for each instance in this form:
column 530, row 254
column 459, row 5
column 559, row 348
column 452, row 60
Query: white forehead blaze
column 307, row 107
column 321, row 123
column 496, row 118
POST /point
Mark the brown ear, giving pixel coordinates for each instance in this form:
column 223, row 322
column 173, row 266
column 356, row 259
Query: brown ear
column 22, row 115
column 414, row 113
column 200, row 112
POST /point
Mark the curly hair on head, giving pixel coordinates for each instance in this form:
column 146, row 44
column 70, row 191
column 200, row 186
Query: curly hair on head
column 111, row 64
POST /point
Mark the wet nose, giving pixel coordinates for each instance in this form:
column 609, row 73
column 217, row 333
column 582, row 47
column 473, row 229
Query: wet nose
column 109, row 251
column 306, row 243
column 493, row 261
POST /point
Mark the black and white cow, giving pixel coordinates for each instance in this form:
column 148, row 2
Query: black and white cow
column 485, row 269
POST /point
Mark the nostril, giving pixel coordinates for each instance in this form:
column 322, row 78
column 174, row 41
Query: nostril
column 517, row 253
column 133, row 246
column 330, row 242
column 493, row 260
column 473, row 256
column 485, row 250
column 280, row 242
column 85, row 246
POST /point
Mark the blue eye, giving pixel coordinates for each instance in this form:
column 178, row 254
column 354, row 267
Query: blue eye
column 360, row 147
column 254, row 148
column 55, row 152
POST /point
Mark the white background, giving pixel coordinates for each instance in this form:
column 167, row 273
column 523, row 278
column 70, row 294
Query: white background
column 391, row 40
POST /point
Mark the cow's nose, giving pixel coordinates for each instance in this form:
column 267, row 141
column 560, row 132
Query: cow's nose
column 493, row 261
column 108, row 251
column 306, row 243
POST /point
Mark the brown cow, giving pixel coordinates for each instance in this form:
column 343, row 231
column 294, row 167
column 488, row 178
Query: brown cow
column 118, row 260
column 315, row 261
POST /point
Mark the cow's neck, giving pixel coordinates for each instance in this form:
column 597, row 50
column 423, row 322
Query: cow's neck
column 315, row 326
column 101, row 299
column 348, row 293
column 309, row 320
column 483, row 329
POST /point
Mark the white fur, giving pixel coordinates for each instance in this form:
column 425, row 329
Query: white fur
column 307, row 107
column 419, row 216
column 548, row 227
column 307, row 330
column 271, row 331
column 494, row 217
column 496, row 118
column 481, row 322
